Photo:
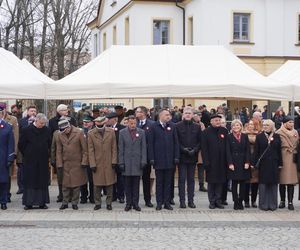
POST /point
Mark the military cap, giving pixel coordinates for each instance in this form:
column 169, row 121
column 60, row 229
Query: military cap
column 88, row 118
column 63, row 124
column 111, row 115
column 100, row 119
column 215, row 116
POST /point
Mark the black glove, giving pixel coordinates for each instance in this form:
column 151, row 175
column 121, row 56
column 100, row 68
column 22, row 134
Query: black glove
column 152, row 162
column 122, row 167
column 84, row 166
column 176, row 161
column 114, row 166
column 94, row 169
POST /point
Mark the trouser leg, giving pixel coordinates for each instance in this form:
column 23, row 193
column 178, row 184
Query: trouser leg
column 66, row 195
column 128, row 190
column 224, row 191
column 181, row 181
column 135, row 190
column 147, row 183
column 3, row 193
column 159, row 186
column 75, row 195
column 234, row 191
column 172, row 185
column 254, row 191
column 191, row 182
column 97, row 194
column 247, row 192
column 282, row 191
column 242, row 190
column 109, row 196
column 211, row 193
column 290, row 190
column 201, row 174
column 169, row 182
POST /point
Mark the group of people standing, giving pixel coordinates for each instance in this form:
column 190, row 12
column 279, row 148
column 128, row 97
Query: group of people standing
column 104, row 157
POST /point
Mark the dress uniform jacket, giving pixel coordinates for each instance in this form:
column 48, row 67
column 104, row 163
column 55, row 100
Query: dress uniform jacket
column 213, row 151
column 15, row 126
column 71, row 154
column 7, row 148
column 163, row 145
column 132, row 152
column 102, row 154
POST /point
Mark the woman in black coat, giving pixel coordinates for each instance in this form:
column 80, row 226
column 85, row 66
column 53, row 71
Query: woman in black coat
column 238, row 160
column 268, row 161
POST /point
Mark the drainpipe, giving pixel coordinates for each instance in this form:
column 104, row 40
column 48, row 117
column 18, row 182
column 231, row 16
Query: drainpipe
column 183, row 21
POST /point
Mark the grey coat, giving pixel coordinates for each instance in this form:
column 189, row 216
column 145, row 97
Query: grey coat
column 132, row 153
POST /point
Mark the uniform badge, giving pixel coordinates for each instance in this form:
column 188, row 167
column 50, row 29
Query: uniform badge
column 222, row 136
column 147, row 128
column 168, row 128
column 116, row 129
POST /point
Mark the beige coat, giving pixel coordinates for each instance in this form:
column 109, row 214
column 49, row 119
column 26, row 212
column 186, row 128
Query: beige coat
column 71, row 154
column 102, row 154
column 289, row 144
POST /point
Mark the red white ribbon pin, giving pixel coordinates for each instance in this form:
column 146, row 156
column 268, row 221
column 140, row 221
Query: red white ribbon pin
column 168, row 128
column 137, row 135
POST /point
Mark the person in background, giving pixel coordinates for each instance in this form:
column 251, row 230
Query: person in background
column 265, row 113
column 34, row 144
column 268, row 160
column 205, row 115
column 16, row 111
column 278, row 117
column 176, row 115
column 244, row 116
column 7, row 156
column 120, row 113
column 189, row 138
column 288, row 174
column 132, row 161
column 81, row 113
column 238, row 160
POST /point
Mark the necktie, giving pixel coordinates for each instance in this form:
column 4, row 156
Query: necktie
column 141, row 124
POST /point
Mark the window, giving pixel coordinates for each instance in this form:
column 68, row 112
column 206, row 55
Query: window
column 191, row 31
column 96, row 44
column 161, row 32
column 104, row 41
column 114, row 35
column 127, row 41
column 241, row 27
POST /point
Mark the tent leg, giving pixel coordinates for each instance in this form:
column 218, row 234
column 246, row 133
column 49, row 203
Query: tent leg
column 45, row 107
column 293, row 109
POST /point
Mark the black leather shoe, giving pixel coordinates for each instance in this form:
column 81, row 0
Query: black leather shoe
column 219, row 205
column 97, row 207
column 75, row 207
column 191, row 205
column 172, row 202
column 27, row 207
column 127, row 208
column 182, row 205
column 3, row 206
column 149, row 204
column 158, row 207
column 212, row 206
column 137, row 208
column 225, row 203
column 281, row 204
column 291, row 206
column 59, row 199
column 108, row 207
column 247, row 205
column 168, row 207
column 62, row 207
column 83, row 201
column 20, row 191
column 43, row 207
column 121, row 201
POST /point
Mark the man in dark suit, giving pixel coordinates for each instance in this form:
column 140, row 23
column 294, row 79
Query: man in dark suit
column 163, row 149
column 189, row 137
column 205, row 116
column 214, row 160
column 144, row 123
column 119, row 187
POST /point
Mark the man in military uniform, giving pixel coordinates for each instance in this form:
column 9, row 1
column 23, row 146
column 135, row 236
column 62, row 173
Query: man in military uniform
column 119, row 187
column 15, row 126
column 85, row 110
column 87, row 190
column 7, row 156
column 120, row 113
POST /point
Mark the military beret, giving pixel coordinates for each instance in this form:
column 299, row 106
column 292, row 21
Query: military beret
column 111, row 115
column 88, row 118
column 63, row 124
column 100, row 119
column 3, row 105
column 287, row 119
column 215, row 116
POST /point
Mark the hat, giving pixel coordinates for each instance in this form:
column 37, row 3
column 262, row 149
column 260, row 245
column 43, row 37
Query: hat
column 2, row 105
column 63, row 124
column 61, row 107
column 287, row 119
column 131, row 117
column 111, row 115
column 88, row 118
column 100, row 119
column 196, row 112
column 215, row 116
column 118, row 107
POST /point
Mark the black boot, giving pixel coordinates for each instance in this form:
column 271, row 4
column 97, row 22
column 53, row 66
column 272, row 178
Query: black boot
column 290, row 190
column 281, row 205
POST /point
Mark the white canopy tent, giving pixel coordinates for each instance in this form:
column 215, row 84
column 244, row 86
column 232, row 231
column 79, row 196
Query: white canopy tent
column 17, row 82
column 167, row 71
column 289, row 73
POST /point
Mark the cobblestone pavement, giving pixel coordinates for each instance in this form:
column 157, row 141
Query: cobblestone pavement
column 198, row 228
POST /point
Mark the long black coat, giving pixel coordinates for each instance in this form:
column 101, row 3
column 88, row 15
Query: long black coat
column 268, row 172
column 213, row 151
column 189, row 136
column 238, row 153
column 34, row 145
column 163, row 146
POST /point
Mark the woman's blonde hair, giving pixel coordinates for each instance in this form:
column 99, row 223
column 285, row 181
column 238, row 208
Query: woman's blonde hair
column 235, row 121
column 270, row 123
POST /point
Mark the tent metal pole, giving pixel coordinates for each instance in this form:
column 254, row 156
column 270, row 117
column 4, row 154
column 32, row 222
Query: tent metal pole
column 293, row 109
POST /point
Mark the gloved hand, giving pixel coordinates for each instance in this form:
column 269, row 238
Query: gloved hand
column 176, row 161
column 84, row 166
column 152, row 162
column 122, row 167
column 94, row 169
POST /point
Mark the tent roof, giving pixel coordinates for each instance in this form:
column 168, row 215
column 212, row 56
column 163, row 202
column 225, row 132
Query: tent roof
column 36, row 73
column 167, row 71
column 17, row 82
